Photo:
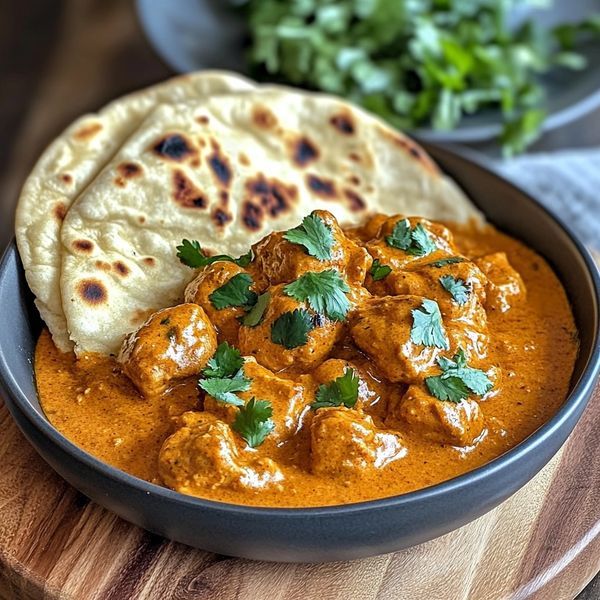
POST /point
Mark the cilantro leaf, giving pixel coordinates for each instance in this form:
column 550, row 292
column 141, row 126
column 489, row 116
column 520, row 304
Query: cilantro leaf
column 224, row 375
column 428, row 328
column 451, row 389
column 236, row 292
column 341, row 391
column 190, row 253
column 223, row 390
column 255, row 315
column 415, row 241
column 422, row 244
column 457, row 288
column 253, row 421
column 225, row 362
column 379, row 271
column 438, row 264
column 457, row 380
column 291, row 329
column 325, row 292
column 401, row 235
column 314, row 235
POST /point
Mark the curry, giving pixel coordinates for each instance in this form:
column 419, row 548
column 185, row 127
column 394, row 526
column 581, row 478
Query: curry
column 327, row 366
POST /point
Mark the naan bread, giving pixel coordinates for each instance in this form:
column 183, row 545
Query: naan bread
column 70, row 163
column 226, row 171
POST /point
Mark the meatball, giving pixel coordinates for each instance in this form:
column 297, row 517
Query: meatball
column 397, row 258
column 505, row 287
column 345, row 443
column 199, row 290
column 290, row 400
column 257, row 341
column 455, row 423
column 202, row 455
column 172, row 344
column 281, row 261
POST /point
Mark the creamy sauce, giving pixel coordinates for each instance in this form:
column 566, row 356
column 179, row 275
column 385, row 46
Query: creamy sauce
column 534, row 344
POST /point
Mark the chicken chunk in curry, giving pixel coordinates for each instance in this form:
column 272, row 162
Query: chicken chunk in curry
column 172, row 344
column 328, row 365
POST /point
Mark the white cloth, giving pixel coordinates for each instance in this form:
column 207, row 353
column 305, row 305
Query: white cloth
column 567, row 182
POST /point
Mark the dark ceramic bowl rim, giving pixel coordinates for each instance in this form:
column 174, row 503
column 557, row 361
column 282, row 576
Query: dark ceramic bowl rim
column 577, row 395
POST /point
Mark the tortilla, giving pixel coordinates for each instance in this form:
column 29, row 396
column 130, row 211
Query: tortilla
column 226, row 171
column 69, row 164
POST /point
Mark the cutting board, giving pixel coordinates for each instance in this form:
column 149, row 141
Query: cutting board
column 542, row 543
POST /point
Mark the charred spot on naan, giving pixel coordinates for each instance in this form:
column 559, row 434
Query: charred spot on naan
column 263, row 118
column 304, row 152
column 266, row 197
column 219, row 165
column 221, row 217
column 66, row 178
column 85, row 246
column 87, row 132
column 149, row 260
column 174, row 146
column 129, row 170
column 244, row 160
column 92, row 291
column 121, row 268
column 60, row 211
column 355, row 201
column 410, row 147
column 185, row 193
column 343, row 121
column 202, row 119
column 321, row 186
column 224, row 197
column 102, row 265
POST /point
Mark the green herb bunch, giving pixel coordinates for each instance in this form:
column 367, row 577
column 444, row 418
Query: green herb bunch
column 418, row 62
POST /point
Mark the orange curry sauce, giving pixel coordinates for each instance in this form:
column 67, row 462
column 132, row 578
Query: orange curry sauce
column 531, row 350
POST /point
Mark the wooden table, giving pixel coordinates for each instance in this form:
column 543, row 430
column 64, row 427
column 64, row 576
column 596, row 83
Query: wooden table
column 59, row 59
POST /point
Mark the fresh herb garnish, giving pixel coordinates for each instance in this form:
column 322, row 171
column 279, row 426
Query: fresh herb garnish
column 236, row 292
column 438, row 264
column 324, row 291
column 190, row 253
column 314, row 235
column 341, row 391
column 291, row 329
column 224, row 390
column 417, row 64
column 224, row 375
column 255, row 315
column 225, row 362
column 172, row 334
column 379, row 271
column 415, row 241
column 165, row 321
column 428, row 328
column 457, row 380
column 253, row 421
column 457, row 288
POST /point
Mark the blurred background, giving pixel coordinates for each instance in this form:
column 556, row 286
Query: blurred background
column 514, row 79
column 516, row 84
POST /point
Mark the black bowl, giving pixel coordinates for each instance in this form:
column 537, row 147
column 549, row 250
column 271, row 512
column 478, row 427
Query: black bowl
column 336, row 532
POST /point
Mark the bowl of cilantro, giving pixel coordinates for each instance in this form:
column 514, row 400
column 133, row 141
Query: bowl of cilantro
column 326, row 533
column 446, row 71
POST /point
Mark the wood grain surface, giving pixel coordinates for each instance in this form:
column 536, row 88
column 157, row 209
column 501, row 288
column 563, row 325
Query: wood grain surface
column 60, row 58
column 543, row 543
